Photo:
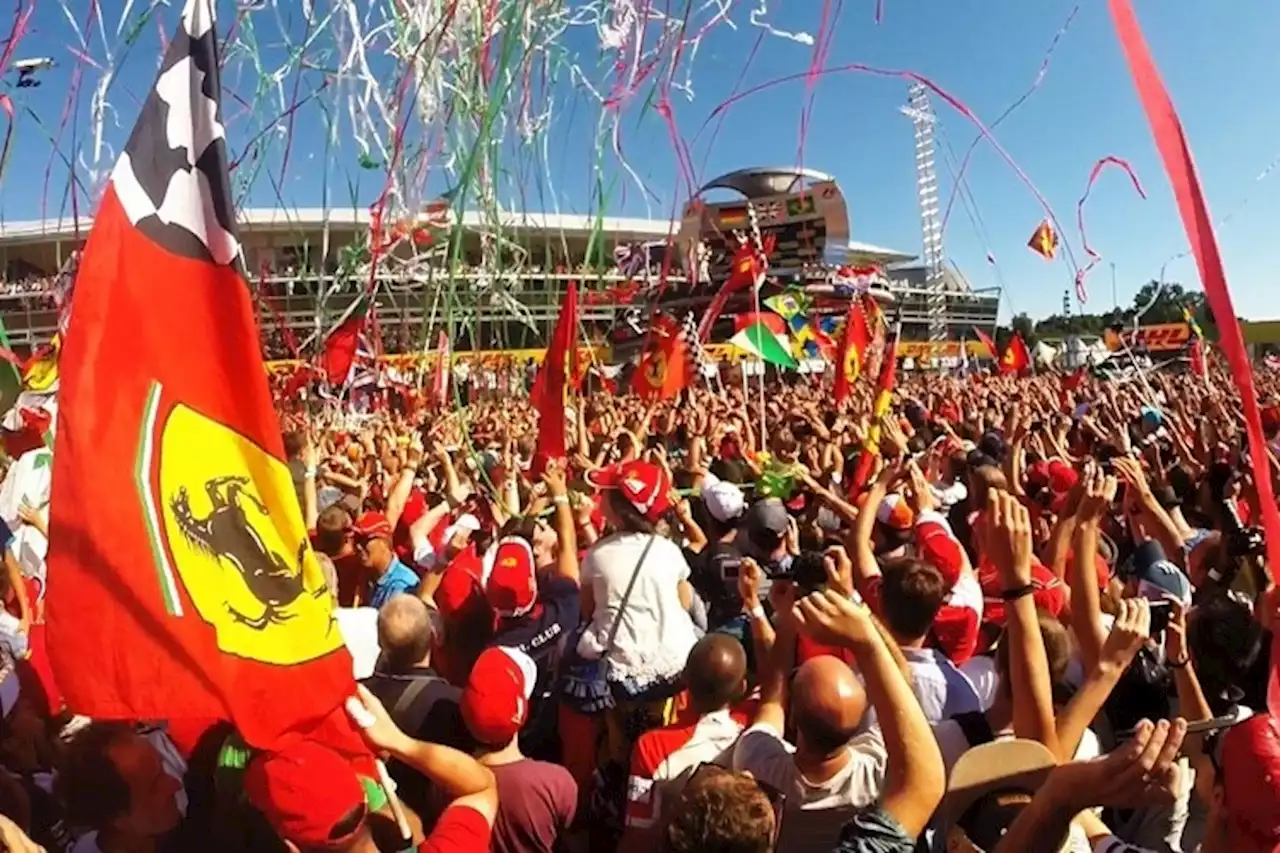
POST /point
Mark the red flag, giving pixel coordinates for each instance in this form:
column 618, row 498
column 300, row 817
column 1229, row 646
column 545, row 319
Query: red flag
column 1044, row 241
column 747, row 270
column 551, row 386
column 771, row 321
column 663, row 371
column 181, row 581
column 343, row 341
column 1016, row 359
column 1176, row 154
column 988, row 343
column 853, row 349
column 884, row 397
column 440, row 379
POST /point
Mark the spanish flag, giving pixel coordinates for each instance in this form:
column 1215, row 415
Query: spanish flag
column 1044, row 241
column 182, row 585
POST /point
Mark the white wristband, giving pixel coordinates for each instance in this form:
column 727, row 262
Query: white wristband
column 756, row 612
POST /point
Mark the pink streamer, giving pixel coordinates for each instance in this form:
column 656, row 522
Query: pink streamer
column 1094, row 257
column 952, row 100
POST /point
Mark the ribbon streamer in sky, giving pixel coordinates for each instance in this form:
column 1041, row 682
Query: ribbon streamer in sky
column 1094, row 257
column 1176, row 154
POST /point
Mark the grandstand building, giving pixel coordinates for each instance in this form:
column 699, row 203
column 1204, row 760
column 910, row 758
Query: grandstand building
column 294, row 256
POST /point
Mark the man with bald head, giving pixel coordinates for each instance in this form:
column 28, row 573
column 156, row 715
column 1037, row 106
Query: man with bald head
column 404, row 680
column 662, row 760
column 835, row 773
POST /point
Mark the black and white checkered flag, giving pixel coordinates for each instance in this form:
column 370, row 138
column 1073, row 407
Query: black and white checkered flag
column 172, row 178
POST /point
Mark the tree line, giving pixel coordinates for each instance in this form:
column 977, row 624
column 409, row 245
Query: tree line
column 1165, row 307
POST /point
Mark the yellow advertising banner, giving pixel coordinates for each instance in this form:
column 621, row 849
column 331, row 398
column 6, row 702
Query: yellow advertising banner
column 1164, row 337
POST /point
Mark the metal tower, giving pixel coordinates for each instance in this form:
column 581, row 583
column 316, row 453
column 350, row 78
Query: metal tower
column 920, row 111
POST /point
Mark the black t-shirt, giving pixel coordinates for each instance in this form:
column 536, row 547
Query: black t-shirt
column 409, row 697
column 541, row 635
column 707, row 570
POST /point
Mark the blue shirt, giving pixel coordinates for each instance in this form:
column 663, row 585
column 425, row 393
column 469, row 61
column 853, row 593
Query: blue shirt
column 397, row 579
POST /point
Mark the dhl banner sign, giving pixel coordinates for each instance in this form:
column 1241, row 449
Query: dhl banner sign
column 1164, row 337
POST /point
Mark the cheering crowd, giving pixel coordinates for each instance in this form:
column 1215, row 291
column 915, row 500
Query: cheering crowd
column 1044, row 623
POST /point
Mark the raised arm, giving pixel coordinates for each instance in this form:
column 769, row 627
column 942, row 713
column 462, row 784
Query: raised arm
column 1086, row 612
column 1009, row 534
column 916, row 776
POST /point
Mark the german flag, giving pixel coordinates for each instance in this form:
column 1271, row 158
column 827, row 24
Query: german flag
column 1044, row 241
column 734, row 217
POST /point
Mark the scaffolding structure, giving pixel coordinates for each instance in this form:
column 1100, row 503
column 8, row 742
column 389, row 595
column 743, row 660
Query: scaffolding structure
column 920, row 111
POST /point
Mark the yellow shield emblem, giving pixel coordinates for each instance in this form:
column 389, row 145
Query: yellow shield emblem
column 230, row 517
column 852, row 364
column 655, row 370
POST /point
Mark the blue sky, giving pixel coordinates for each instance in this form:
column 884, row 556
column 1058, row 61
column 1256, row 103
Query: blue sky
column 1218, row 60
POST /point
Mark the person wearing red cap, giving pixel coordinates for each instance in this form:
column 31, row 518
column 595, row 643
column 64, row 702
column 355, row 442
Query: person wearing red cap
column 537, row 800
column 314, row 800
column 533, row 589
column 637, row 583
column 954, row 629
column 372, row 537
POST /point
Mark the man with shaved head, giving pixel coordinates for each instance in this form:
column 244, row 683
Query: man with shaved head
column 662, row 760
column 837, row 776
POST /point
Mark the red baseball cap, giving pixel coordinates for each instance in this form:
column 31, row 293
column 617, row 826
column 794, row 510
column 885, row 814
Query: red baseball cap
column 304, row 791
column 372, row 525
column 512, row 589
column 644, row 485
column 459, row 589
column 1249, row 768
column 1038, row 474
column 495, row 702
column 937, row 547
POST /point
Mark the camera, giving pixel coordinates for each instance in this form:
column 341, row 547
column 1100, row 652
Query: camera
column 808, row 571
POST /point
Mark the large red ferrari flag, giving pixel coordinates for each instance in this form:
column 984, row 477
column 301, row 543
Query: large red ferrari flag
column 1017, row 358
column 663, row 371
column 181, row 583
column 853, row 350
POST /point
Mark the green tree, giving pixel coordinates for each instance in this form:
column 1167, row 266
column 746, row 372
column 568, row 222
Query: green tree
column 1025, row 326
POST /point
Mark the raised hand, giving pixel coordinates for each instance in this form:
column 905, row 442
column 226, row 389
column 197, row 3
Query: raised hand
column 1143, row 771
column 831, row 618
column 1128, row 634
column 1009, row 538
column 1099, row 493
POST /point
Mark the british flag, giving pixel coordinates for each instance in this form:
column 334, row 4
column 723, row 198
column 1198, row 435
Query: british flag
column 770, row 211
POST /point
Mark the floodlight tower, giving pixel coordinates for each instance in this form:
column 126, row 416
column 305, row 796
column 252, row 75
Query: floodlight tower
column 920, row 111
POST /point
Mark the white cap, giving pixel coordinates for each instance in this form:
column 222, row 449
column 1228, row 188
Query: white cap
column 724, row 501
column 466, row 522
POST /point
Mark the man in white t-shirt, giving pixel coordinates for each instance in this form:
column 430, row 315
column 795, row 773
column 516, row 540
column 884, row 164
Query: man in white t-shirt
column 832, row 771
